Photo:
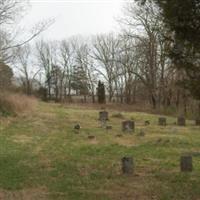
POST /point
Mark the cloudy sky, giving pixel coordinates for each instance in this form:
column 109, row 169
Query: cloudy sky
column 74, row 17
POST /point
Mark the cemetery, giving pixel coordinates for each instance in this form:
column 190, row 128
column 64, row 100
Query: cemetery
column 70, row 152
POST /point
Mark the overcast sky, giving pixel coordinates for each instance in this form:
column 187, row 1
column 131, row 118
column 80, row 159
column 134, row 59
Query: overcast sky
column 74, row 17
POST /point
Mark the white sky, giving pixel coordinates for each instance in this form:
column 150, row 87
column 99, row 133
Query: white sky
column 74, row 17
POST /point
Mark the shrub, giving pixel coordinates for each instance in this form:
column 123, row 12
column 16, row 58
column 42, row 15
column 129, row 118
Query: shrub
column 13, row 104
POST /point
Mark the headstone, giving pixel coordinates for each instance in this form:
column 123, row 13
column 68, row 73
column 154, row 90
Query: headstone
column 186, row 163
column 181, row 121
column 127, row 165
column 108, row 127
column 77, row 127
column 119, row 135
column 141, row 133
column 103, row 116
column 91, row 137
column 128, row 125
column 162, row 121
column 198, row 122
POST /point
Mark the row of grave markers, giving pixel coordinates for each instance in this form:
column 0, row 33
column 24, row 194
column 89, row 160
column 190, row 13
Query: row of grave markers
column 128, row 164
column 129, row 125
column 162, row 121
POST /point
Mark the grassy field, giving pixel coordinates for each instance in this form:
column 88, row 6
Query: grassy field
column 42, row 158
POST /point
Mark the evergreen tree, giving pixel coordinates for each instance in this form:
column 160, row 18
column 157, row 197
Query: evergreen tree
column 101, row 93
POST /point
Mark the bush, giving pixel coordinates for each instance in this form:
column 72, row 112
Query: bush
column 14, row 104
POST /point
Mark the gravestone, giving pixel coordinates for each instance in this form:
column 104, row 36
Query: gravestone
column 162, row 121
column 77, row 128
column 186, row 163
column 119, row 135
column 91, row 137
column 127, row 165
column 108, row 127
column 181, row 121
column 198, row 122
column 141, row 133
column 128, row 125
column 103, row 116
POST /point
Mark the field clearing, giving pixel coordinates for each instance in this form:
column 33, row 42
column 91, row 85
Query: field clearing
column 42, row 158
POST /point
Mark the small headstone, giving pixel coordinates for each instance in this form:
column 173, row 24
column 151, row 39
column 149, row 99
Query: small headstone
column 147, row 122
column 141, row 133
column 181, row 121
column 162, row 121
column 103, row 116
column 77, row 127
column 91, row 137
column 186, row 163
column 108, row 127
column 119, row 135
column 127, row 165
column 128, row 125
column 198, row 122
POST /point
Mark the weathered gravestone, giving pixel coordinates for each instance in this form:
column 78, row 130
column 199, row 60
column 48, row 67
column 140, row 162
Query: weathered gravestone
column 181, row 121
column 141, row 133
column 77, row 128
column 162, row 121
column 103, row 116
column 108, row 127
column 186, row 163
column 91, row 137
column 127, row 165
column 128, row 125
column 198, row 122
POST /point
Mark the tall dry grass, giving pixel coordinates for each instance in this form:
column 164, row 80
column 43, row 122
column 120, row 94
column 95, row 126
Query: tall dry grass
column 14, row 104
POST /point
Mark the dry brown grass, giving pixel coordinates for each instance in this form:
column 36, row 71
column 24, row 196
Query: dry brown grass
column 16, row 103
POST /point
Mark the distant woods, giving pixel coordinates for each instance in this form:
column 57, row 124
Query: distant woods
column 135, row 66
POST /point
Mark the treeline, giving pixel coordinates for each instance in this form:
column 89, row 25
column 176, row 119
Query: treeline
column 134, row 65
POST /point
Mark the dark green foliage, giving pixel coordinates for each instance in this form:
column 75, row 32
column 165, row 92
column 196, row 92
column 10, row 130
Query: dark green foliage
column 80, row 81
column 182, row 20
column 101, row 92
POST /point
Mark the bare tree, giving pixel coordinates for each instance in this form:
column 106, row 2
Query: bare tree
column 24, row 64
column 104, row 53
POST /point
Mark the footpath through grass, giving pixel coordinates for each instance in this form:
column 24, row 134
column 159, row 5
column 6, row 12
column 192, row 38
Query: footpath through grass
column 42, row 158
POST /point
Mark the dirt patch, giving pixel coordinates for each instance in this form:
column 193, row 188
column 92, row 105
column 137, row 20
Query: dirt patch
column 23, row 139
column 25, row 194
column 128, row 142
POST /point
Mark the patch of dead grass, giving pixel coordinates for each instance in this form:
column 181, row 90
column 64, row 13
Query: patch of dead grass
column 25, row 194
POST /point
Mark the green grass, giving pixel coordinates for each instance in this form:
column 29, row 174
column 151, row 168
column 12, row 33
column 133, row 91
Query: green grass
column 41, row 157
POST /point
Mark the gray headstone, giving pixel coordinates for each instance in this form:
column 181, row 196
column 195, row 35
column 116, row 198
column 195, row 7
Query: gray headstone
column 103, row 116
column 127, row 165
column 128, row 125
column 108, row 127
column 186, row 163
column 181, row 121
column 162, row 121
